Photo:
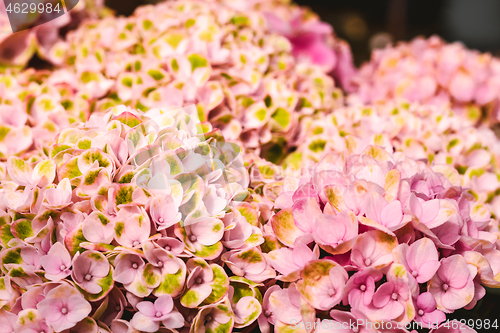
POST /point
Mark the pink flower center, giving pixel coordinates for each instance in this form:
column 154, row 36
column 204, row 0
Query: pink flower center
column 161, row 220
column 62, row 268
column 368, row 262
column 88, row 277
column 199, row 280
column 331, row 292
column 268, row 313
column 158, row 314
column 160, row 263
column 168, row 248
column 208, row 318
column 64, row 310
column 420, row 312
column 414, row 273
column 394, row 296
column 192, row 238
column 136, row 243
column 135, row 266
column 362, row 287
column 355, row 329
column 445, row 287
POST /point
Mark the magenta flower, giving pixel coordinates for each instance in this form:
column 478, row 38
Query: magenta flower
column 63, row 307
column 308, row 38
column 452, row 286
column 390, row 299
column 421, row 259
column 359, row 289
column 426, row 312
column 151, row 314
column 57, row 262
column 88, row 268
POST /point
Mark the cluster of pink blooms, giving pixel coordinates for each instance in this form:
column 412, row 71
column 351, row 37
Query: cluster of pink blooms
column 135, row 196
column 143, row 222
column 247, row 80
column 420, row 131
column 17, row 48
column 401, row 240
column 434, row 72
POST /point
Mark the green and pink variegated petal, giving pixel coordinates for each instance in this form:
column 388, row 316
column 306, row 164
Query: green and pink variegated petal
column 315, row 274
column 44, row 173
column 284, row 227
column 222, row 309
column 89, row 158
column 73, row 240
column 138, row 287
column 19, row 171
column 70, row 170
column 219, row 285
column 246, row 311
column 193, row 190
column 243, row 287
column 249, row 213
column 172, row 284
column 22, row 229
column 391, row 184
column 449, row 172
column 97, row 247
column 151, row 276
column 484, row 269
column 87, row 324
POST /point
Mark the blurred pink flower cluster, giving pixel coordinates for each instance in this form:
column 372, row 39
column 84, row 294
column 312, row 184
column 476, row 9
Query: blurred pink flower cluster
column 17, row 48
column 242, row 77
column 420, row 131
column 431, row 71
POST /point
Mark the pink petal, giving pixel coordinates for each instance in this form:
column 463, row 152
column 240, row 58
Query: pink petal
column 147, row 308
column 174, row 320
column 164, row 304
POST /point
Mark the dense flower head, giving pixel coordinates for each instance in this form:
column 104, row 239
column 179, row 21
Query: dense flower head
column 400, row 239
column 434, row 72
column 243, row 77
column 420, row 131
column 35, row 106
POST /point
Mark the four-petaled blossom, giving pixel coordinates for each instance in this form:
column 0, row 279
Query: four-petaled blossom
column 88, row 268
column 452, row 286
column 57, row 262
column 151, row 314
column 63, row 307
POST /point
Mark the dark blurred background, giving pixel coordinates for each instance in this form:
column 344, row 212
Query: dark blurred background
column 367, row 24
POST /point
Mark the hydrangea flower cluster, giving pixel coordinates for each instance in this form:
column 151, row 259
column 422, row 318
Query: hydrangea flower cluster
column 390, row 238
column 421, row 132
column 123, row 208
column 242, row 77
column 44, row 40
column 434, row 72
column 35, row 106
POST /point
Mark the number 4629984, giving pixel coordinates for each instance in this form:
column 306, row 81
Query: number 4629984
column 26, row 8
